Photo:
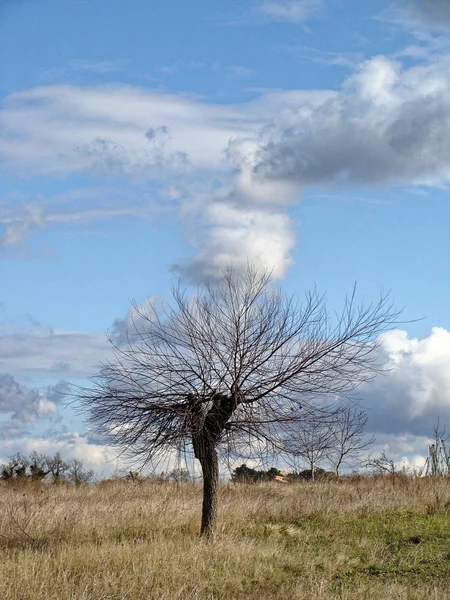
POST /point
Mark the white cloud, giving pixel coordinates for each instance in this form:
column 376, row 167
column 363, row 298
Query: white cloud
column 408, row 451
column 104, row 460
column 386, row 126
column 24, row 403
column 16, row 229
column 52, row 354
column 177, row 141
column 233, row 171
column 294, row 11
column 348, row 60
column 403, row 404
column 137, row 319
column 237, row 233
column 21, row 406
column 65, row 129
column 206, row 65
column 22, row 220
column 415, row 391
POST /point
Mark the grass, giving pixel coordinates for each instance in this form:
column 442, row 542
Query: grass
column 371, row 538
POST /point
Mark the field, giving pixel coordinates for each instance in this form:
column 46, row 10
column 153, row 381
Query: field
column 370, row 538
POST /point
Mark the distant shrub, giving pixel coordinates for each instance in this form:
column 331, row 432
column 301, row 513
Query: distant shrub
column 319, row 475
column 244, row 474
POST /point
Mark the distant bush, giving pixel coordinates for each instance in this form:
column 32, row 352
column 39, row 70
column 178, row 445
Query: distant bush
column 244, row 474
column 307, row 475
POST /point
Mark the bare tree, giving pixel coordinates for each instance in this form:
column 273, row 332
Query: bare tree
column 348, row 439
column 310, row 443
column 438, row 460
column 16, row 467
column 57, row 467
column 77, row 473
column 382, row 464
column 231, row 368
column 38, row 465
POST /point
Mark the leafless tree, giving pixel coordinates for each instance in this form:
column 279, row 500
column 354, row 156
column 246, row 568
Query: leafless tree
column 231, row 368
column 382, row 464
column 438, row 461
column 38, row 465
column 347, row 437
column 16, row 467
column 57, row 467
column 77, row 473
column 311, row 442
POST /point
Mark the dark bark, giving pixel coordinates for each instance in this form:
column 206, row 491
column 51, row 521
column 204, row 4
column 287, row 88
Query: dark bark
column 210, row 469
column 205, row 442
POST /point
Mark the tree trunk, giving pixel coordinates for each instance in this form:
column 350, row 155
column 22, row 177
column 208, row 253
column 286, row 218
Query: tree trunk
column 210, row 469
column 204, row 442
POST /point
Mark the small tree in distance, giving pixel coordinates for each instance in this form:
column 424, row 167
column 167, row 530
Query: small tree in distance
column 382, row 464
column 231, row 369
column 311, row 443
column 57, row 467
column 348, row 439
column 76, row 473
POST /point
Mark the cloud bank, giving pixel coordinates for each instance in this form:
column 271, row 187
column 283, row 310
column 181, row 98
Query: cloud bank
column 233, row 171
column 52, row 354
column 102, row 459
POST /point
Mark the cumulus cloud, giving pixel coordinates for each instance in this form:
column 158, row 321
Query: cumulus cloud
column 58, row 392
column 407, row 450
column 103, row 459
column 236, row 234
column 294, row 11
column 137, row 319
column 403, row 404
column 386, row 126
column 23, row 405
column 415, row 392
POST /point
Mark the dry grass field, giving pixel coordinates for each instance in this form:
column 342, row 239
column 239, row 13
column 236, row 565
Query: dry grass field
column 372, row 538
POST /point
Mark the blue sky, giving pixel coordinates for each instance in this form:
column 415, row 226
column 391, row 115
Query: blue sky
column 142, row 141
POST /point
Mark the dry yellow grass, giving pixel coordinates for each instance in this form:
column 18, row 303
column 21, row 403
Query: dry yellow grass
column 124, row 541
